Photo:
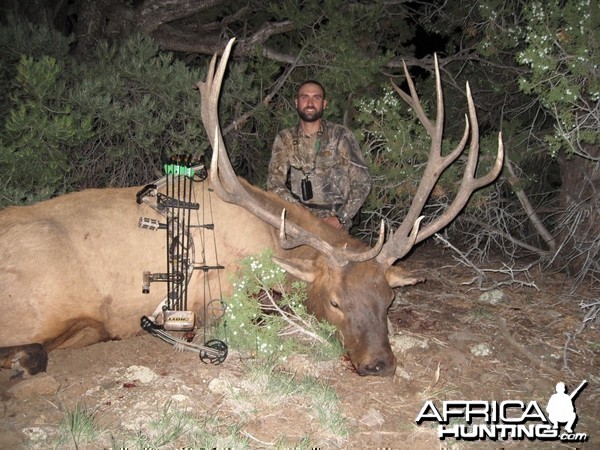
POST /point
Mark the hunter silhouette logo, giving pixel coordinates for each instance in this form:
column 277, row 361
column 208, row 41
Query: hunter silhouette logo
column 509, row 419
column 560, row 407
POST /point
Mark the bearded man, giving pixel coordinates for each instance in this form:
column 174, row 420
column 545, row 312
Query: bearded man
column 318, row 163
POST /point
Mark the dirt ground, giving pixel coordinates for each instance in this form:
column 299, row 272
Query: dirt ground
column 450, row 345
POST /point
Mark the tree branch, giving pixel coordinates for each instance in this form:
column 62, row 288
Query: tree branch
column 292, row 319
column 155, row 13
column 185, row 40
column 533, row 217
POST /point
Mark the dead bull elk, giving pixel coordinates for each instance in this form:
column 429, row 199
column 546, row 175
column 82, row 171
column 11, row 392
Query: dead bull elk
column 350, row 285
column 71, row 267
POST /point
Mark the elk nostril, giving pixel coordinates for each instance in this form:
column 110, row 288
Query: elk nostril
column 375, row 368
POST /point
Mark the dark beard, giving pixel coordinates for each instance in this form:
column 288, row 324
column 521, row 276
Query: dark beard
column 310, row 118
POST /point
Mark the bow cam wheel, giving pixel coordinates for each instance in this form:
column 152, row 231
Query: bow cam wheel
column 214, row 357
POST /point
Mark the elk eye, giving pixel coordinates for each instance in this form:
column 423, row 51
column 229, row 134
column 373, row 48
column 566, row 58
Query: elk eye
column 334, row 303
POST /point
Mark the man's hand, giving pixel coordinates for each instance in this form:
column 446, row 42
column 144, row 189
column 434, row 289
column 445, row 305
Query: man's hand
column 333, row 221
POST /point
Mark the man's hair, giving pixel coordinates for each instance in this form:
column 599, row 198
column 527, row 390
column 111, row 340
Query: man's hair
column 311, row 82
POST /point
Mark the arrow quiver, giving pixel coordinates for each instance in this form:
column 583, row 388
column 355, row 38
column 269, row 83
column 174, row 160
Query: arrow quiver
column 176, row 204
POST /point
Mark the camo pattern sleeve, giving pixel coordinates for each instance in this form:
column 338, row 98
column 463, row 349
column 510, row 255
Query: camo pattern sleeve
column 356, row 180
column 280, row 165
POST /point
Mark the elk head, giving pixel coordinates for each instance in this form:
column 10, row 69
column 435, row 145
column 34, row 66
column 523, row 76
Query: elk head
column 350, row 284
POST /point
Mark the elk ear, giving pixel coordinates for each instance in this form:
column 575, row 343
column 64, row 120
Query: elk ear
column 397, row 276
column 300, row 268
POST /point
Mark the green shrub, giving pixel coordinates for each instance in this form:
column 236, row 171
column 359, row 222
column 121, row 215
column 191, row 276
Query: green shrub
column 268, row 333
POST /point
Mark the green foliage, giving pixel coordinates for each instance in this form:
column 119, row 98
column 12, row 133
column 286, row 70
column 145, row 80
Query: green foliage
column 249, row 328
column 172, row 424
column 562, row 50
column 37, row 131
column 25, row 39
column 79, row 428
column 144, row 109
column 396, row 146
column 502, row 30
column 36, row 123
column 109, row 121
column 558, row 43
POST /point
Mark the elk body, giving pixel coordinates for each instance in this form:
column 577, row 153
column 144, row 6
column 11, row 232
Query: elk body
column 71, row 268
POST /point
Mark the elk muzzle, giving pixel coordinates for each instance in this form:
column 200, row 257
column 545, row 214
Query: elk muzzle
column 380, row 366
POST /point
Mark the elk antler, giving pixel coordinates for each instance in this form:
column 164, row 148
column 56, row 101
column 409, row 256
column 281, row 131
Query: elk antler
column 228, row 187
column 408, row 233
column 342, row 255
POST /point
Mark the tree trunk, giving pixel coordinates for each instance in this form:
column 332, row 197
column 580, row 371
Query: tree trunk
column 579, row 224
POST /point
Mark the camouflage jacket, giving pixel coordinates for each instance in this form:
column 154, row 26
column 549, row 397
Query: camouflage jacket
column 331, row 160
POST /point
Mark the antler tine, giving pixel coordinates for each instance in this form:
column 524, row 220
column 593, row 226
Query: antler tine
column 209, row 92
column 340, row 256
column 413, row 101
column 229, row 188
column 408, row 234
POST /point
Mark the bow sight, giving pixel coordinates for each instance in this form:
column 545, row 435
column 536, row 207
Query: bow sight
column 172, row 314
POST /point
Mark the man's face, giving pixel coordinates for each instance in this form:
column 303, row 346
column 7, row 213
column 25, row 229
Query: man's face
column 310, row 102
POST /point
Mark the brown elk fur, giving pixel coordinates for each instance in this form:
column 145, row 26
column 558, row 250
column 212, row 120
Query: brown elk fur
column 71, row 268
